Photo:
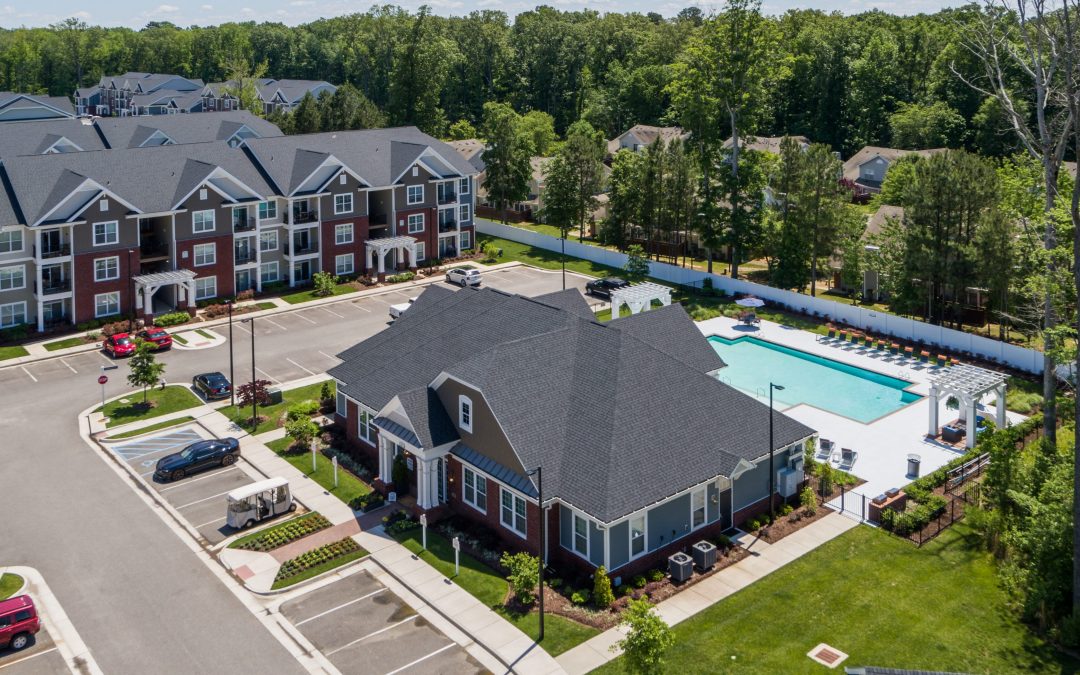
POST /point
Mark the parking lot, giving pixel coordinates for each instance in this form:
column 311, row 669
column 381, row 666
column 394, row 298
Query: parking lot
column 200, row 497
column 363, row 627
column 40, row 658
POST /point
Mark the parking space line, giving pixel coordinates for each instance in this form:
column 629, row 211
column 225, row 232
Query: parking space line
column 204, row 499
column 28, row 373
column 329, row 312
column 195, row 480
column 27, row 658
column 273, row 323
column 356, row 304
column 268, row 376
column 242, row 328
column 69, row 366
column 306, row 370
column 381, row 630
column 328, row 356
column 301, row 316
column 216, row 520
column 422, row 658
column 341, row 606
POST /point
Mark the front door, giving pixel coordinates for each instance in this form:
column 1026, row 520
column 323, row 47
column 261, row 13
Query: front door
column 302, row 271
column 53, row 312
column 244, row 281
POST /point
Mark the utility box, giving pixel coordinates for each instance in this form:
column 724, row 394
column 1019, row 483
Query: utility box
column 788, row 482
column 680, row 567
column 704, row 555
column 275, row 395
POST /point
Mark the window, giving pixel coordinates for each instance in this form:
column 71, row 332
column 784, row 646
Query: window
column 474, row 491
column 465, row 413
column 268, row 241
column 414, row 194
column 267, row 210
column 421, row 251
column 463, row 212
column 202, row 194
column 416, row 223
column 463, row 186
column 343, row 203
column 340, row 408
column 205, row 287
column 106, row 304
column 581, row 535
column 697, row 508
column 513, row 512
column 103, row 205
column 11, row 241
column 12, row 314
column 12, row 278
column 343, row 264
column 343, row 234
column 202, row 221
column 342, row 178
column 367, row 426
column 466, row 240
column 268, row 272
column 107, row 269
column 106, row 233
column 205, row 254
column 637, row 536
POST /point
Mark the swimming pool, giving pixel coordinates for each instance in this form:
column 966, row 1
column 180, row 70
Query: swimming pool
column 846, row 390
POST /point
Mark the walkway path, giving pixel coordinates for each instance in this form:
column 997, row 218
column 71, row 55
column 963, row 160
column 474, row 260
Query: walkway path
column 764, row 560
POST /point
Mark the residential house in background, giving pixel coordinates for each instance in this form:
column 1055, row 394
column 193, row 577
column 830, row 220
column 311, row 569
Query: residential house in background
column 139, row 94
column 866, row 169
column 641, row 136
column 274, row 95
column 871, row 276
column 643, row 450
column 769, row 144
column 16, row 107
column 145, row 229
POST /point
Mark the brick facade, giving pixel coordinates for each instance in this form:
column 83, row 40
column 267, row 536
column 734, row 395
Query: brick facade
column 222, row 267
column 329, row 249
column 86, row 288
column 430, row 235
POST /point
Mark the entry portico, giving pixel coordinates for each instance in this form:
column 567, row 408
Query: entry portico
column 380, row 247
column 968, row 384
column 148, row 284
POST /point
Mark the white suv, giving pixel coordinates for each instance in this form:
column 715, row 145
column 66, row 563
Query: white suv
column 463, row 277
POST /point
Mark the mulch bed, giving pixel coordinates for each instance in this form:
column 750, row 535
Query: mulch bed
column 793, row 522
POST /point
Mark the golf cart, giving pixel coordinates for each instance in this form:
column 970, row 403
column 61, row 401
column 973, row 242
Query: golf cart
column 259, row 501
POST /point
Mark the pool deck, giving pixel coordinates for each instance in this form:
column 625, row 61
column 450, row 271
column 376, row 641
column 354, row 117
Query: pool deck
column 882, row 445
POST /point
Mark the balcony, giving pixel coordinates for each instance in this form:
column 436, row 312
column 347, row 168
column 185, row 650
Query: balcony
column 447, row 225
column 53, row 287
column 243, row 256
column 299, row 217
column 153, row 248
column 377, row 219
column 447, row 197
column 243, row 224
column 55, row 251
column 301, row 249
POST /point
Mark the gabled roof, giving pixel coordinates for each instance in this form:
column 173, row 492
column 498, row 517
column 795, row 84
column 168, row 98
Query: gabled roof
column 131, row 132
column 671, row 330
column 647, row 135
column 472, row 150
column 430, row 422
column 35, row 137
column 851, row 166
column 149, row 82
column 13, row 103
column 769, row 144
column 291, row 91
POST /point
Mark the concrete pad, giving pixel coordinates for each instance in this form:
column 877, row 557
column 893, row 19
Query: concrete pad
column 671, row 614
column 478, row 617
column 690, row 601
column 737, row 577
column 434, row 589
column 759, row 567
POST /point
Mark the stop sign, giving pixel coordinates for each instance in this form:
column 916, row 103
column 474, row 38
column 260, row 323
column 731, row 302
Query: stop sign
column 103, row 379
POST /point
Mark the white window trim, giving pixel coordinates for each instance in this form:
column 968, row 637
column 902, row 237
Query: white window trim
column 341, row 406
column 573, row 535
column 704, row 492
column 22, row 273
column 630, row 536
column 477, row 477
column 277, row 272
column 22, row 311
column 97, row 304
column 338, row 211
column 464, row 400
column 213, row 221
column 466, row 210
column 361, row 426
column 514, row 498
column 337, row 264
column 463, row 186
column 349, row 240
column 105, row 260
column 268, row 203
column 103, row 205
column 22, row 241
column 195, row 255
column 421, row 251
column 409, row 223
column 409, row 191
column 468, row 235
column 106, row 223
column 204, row 280
column 269, row 248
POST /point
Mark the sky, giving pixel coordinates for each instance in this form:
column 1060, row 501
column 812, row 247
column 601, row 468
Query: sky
column 136, row 13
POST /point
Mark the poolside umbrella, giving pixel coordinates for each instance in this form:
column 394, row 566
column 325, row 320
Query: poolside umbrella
column 750, row 301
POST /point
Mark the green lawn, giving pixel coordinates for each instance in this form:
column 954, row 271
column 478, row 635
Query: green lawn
column 319, row 569
column 65, row 343
column 560, row 633
column 309, row 294
column 875, row 597
column 273, row 412
column 164, row 401
column 12, row 352
column 551, row 260
column 153, row 427
column 178, row 338
column 349, row 487
column 9, row 583
column 266, row 305
column 204, row 334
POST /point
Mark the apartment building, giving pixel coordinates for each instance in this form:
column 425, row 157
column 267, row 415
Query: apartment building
column 274, row 95
column 136, row 93
column 146, row 230
column 16, row 107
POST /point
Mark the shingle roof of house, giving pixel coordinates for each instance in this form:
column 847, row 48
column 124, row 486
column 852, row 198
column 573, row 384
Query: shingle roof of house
column 648, row 134
column 429, row 419
column 291, row 90
column 598, row 406
column 131, row 132
column 472, row 150
column 36, row 136
column 10, row 100
column 885, row 212
column 770, row 144
column 147, row 82
column 851, row 166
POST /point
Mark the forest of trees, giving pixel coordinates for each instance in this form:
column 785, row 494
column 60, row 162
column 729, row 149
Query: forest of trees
column 845, row 81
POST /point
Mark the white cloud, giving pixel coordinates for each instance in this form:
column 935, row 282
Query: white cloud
column 84, row 15
column 246, row 10
column 206, row 8
column 163, row 9
column 489, row 3
column 301, row 3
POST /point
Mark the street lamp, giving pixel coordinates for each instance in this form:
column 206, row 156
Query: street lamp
column 772, row 472
column 539, row 473
column 254, row 392
column 131, row 301
column 232, row 375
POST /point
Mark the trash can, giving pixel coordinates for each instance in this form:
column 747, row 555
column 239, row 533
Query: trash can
column 704, row 555
column 913, row 466
column 680, row 567
column 275, row 395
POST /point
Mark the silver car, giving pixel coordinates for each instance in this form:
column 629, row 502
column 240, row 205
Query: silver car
column 463, row 277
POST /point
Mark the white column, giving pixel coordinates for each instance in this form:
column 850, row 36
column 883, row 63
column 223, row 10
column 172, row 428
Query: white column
column 616, row 305
column 411, row 248
column 189, row 288
column 140, row 291
column 1001, row 420
column 384, row 461
column 972, row 422
column 933, row 412
column 40, row 316
column 382, row 260
column 425, row 481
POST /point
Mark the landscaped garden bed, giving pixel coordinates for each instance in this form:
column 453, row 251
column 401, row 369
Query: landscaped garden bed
column 283, row 533
column 317, row 561
column 159, row 402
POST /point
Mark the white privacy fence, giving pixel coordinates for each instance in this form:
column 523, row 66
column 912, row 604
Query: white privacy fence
column 899, row 327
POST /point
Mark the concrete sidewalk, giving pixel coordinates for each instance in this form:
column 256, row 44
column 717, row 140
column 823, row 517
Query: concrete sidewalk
column 764, row 560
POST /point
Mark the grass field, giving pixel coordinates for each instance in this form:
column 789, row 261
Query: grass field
column 875, row 597
column 349, row 487
column 309, row 294
column 65, row 343
column 9, row 583
column 560, row 634
column 273, row 412
column 12, row 352
column 153, row 427
column 163, row 401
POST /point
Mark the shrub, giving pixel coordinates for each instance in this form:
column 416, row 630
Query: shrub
column 301, row 409
column 524, row 575
column 657, row 574
column 171, row 319
column 825, row 478
column 398, row 523
column 287, row 532
column 754, row 524
column 368, row 502
column 602, row 595
column 490, row 251
column 808, row 500
column 786, row 511
column 301, row 430
column 244, row 296
column 324, row 283
column 722, row 541
column 580, row 597
column 647, row 639
column 326, row 392
column 399, row 278
column 216, row 310
column 638, row 581
column 116, row 327
column 306, row 561
column 554, row 583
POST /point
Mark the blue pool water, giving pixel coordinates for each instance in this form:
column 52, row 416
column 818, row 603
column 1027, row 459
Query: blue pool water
column 846, row 390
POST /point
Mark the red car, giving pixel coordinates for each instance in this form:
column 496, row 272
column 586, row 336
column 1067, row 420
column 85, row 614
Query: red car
column 120, row 344
column 156, row 336
column 18, row 622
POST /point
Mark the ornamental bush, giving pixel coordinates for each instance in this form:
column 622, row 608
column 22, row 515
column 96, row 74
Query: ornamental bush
column 524, row 575
column 287, row 532
column 399, row 278
column 325, row 283
column 171, row 319
column 808, row 499
column 602, row 595
column 647, row 639
column 306, row 561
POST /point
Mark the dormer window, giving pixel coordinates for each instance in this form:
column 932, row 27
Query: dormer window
column 465, row 413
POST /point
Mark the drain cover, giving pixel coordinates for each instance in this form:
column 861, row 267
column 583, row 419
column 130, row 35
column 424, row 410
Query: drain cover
column 830, row 657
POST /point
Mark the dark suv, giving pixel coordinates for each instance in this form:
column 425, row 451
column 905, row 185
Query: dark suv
column 603, row 287
column 196, row 457
column 213, row 386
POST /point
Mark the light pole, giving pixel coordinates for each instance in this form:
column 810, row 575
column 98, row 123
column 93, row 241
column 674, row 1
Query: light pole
column 232, row 375
column 539, row 473
column 772, row 472
column 563, row 240
column 131, row 302
column 254, row 389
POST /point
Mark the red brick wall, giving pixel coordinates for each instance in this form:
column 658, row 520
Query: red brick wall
column 86, row 288
column 513, row 541
column 222, row 269
column 352, row 431
column 329, row 250
column 430, row 235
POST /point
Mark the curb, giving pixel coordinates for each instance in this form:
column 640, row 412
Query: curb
column 306, row 582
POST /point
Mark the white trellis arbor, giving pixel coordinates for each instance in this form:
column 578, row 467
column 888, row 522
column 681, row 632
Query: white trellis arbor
column 380, row 247
column 148, row 284
column 639, row 297
column 968, row 384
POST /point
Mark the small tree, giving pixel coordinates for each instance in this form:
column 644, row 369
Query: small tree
column 326, row 393
column 808, row 500
column 637, row 263
column 647, row 640
column 602, row 595
column 490, row 250
column 145, row 369
column 301, row 430
column 524, row 575
column 253, row 392
column 325, row 284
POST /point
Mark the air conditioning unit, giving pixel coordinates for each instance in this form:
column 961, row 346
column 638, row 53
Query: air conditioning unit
column 680, row 567
column 789, row 480
column 704, row 555
column 796, row 464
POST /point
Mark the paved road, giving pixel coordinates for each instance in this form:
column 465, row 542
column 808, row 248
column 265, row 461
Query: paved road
column 140, row 599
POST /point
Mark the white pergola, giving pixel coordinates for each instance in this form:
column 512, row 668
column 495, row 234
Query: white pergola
column 639, row 297
column 968, row 384
column 148, row 284
column 384, row 245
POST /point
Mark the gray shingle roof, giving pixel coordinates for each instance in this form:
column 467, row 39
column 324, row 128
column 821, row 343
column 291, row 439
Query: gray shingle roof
column 291, row 90
column 34, row 137
column 671, row 330
column 428, row 417
column 130, row 132
column 10, row 100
